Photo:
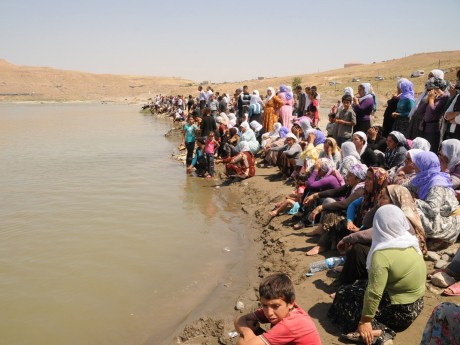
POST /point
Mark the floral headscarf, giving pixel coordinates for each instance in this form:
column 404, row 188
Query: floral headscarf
column 401, row 197
column 430, row 174
column 380, row 181
column 288, row 95
column 328, row 166
column 407, row 89
column 359, row 170
column 451, row 149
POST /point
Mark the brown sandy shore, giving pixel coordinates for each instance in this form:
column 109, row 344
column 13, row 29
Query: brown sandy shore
column 280, row 248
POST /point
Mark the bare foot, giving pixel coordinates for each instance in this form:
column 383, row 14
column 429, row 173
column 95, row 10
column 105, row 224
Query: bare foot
column 332, row 295
column 315, row 250
column 273, row 213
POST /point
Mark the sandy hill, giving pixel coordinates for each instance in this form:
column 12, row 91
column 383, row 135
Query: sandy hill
column 20, row 83
column 24, row 83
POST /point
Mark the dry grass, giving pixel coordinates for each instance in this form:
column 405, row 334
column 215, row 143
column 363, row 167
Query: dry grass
column 21, row 83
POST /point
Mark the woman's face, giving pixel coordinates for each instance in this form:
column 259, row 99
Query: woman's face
column 326, row 146
column 384, row 197
column 269, row 92
column 360, row 91
column 358, row 141
column 369, row 182
column 352, row 180
column 321, row 172
column 243, row 129
column 290, row 141
column 391, row 144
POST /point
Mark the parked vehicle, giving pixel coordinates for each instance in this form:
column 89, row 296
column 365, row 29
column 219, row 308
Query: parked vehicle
column 379, row 78
column 355, row 80
column 417, row 73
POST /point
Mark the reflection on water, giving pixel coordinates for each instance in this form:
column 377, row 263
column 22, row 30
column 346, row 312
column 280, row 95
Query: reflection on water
column 104, row 240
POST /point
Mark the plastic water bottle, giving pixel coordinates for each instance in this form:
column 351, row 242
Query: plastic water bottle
column 326, row 264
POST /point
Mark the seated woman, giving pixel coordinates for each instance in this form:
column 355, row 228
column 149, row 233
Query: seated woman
column 331, row 225
column 271, row 156
column 313, row 146
column 367, row 155
column 421, row 143
column 397, row 147
column 357, row 245
column 331, row 151
column 449, row 157
column 393, row 296
column 406, row 172
column 288, row 155
column 349, row 157
column 436, row 203
column 269, row 137
column 242, row 165
column 257, row 128
column 324, row 176
column 247, row 134
column 443, row 326
column 375, row 140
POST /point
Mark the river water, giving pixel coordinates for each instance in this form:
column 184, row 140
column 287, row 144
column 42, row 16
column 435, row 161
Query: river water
column 104, row 239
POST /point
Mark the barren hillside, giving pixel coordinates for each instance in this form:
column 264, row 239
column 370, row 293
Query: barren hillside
column 22, row 83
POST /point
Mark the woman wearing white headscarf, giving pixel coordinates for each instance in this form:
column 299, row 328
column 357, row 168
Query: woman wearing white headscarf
column 393, row 297
column 450, row 160
column 269, row 137
column 255, row 107
column 367, row 155
column 349, row 157
column 247, row 134
column 231, row 120
column 421, row 143
column 363, row 106
column 288, row 155
column 272, row 103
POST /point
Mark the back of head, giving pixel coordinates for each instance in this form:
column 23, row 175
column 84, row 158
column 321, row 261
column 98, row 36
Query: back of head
column 277, row 286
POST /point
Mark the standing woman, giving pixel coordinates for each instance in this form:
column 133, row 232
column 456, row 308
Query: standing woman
column 286, row 110
column 363, row 106
column 272, row 104
column 405, row 104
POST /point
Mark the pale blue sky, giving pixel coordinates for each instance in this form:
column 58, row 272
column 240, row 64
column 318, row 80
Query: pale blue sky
column 221, row 41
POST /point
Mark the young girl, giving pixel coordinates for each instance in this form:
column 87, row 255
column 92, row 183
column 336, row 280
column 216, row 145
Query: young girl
column 292, row 198
column 210, row 147
column 198, row 162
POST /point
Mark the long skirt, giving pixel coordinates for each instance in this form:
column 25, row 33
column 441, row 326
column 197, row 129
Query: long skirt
column 355, row 265
column 348, row 304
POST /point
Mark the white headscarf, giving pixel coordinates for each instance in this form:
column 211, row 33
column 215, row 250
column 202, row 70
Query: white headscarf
column 275, row 133
column 367, row 91
column 256, row 126
column 413, row 152
column 267, row 98
column 437, row 73
column 349, row 149
column 305, row 124
column 255, row 98
column 244, row 146
column 225, row 117
column 291, row 135
column 348, row 91
column 391, row 230
column 245, row 125
column 231, row 120
column 451, row 149
column 421, row 143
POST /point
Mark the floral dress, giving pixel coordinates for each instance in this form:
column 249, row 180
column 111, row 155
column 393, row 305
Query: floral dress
column 443, row 327
column 270, row 116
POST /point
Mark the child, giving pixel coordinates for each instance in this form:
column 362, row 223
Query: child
column 210, row 147
column 199, row 161
column 344, row 121
column 289, row 323
column 331, row 125
column 292, row 199
column 188, row 138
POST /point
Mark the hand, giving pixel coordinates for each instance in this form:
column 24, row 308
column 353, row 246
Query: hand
column 343, row 247
column 314, row 213
column 311, row 138
column 431, row 95
column 339, row 122
column 365, row 331
column 394, row 115
column 308, row 200
column 352, row 227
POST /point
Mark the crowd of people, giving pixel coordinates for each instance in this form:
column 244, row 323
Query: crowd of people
column 381, row 195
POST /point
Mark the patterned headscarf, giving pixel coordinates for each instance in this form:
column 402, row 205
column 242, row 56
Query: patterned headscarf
column 287, row 94
column 326, row 165
column 436, row 83
column 380, row 181
column 451, row 149
column 400, row 139
column 430, row 174
column 401, row 197
column 359, row 170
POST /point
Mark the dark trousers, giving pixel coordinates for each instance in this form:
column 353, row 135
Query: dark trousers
column 190, row 147
column 210, row 163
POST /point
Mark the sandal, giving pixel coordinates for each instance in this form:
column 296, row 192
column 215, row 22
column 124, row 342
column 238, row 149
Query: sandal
column 453, row 290
column 353, row 336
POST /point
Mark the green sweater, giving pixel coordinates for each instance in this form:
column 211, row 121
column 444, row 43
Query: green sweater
column 399, row 272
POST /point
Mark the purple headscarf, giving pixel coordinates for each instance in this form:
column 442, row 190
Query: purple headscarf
column 288, row 95
column 320, row 138
column 283, row 132
column 430, row 174
column 407, row 89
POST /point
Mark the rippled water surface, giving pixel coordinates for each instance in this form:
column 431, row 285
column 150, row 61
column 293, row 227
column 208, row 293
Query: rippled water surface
column 104, row 240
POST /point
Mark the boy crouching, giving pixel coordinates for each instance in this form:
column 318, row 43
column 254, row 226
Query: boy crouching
column 290, row 324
